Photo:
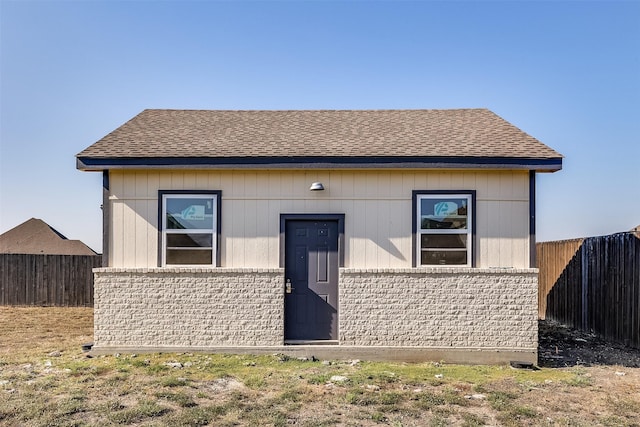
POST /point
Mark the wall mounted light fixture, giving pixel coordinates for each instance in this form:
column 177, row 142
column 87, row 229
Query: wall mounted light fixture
column 316, row 186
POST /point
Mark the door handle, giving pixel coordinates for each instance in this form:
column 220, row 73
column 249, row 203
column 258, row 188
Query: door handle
column 287, row 287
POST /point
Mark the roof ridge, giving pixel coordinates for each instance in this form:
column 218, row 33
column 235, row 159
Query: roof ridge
column 316, row 110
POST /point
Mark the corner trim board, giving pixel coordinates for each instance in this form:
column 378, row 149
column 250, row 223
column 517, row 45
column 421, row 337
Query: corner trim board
column 532, row 219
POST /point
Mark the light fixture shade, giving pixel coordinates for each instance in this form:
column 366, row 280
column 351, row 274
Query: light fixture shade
column 316, row 186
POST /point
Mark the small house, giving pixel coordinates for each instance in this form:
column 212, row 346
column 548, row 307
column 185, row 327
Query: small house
column 379, row 234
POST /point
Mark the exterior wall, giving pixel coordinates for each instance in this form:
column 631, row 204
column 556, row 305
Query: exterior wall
column 456, row 308
column 188, row 307
column 376, row 204
column 193, row 308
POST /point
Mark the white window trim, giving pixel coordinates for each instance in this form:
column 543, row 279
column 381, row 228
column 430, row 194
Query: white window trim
column 165, row 195
column 468, row 231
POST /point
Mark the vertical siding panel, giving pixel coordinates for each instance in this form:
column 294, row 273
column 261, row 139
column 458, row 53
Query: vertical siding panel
column 298, row 205
column 129, row 233
column 116, row 246
column 177, row 181
column 325, row 178
column 468, row 181
column 301, row 181
column 164, row 182
column 457, row 181
column 394, row 235
column 201, row 181
column 116, row 191
column 347, row 184
column 140, row 183
column 251, row 241
column 152, row 233
column 521, row 186
column 273, row 184
column 273, row 232
column 237, row 232
column 520, row 234
column 140, row 219
column 394, row 185
column 482, row 186
column 483, row 233
column 228, row 218
column 213, row 181
column 249, row 185
column 372, row 233
column 433, row 180
column 128, row 185
column 335, row 185
column 505, row 237
column 506, row 185
column 421, row 181
column 189, row 180
column 249, row 238
column 153, row 185
column 226, row 184
column 383, row 241
column 358, row 241
column 493, row 185
column 238, row 212
column 141, row 233
column 346, row 207
column 445, row 181
column 367, row 185
column 408, row 183
column 346, row 191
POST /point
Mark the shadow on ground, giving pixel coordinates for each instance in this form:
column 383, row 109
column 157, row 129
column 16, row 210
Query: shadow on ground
column 560, row 347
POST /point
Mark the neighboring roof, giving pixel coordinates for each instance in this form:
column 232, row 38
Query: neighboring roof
column 37, row 237
column 424, row 138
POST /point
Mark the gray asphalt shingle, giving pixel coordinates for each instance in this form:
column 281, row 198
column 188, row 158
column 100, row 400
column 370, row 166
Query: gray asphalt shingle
column 318, row 133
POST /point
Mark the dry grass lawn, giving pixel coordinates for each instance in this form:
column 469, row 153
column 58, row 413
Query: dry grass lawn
column 46, row 380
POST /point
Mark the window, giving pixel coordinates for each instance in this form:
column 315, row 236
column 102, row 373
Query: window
column 189, row 227
column 444, row 227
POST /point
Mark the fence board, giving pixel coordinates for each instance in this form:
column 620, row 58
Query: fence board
column 55, row 280
column 597, row 288
column 552, row 258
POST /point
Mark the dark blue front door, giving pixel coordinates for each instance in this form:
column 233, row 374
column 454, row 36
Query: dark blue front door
column 311, row 276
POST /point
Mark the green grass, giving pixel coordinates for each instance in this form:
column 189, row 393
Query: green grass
column 243, row 390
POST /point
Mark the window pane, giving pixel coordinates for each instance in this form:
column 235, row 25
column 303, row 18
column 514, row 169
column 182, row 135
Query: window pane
column 443, row 241
column 190, row 240
column 429, row 257
column 189, row 213
column 443, row 213
column 189, row 256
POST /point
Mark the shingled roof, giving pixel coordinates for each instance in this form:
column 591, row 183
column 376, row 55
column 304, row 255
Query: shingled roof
column 388, row 138
column 35, row 236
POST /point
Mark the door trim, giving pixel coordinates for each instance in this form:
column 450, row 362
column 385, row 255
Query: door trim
column 313, row 217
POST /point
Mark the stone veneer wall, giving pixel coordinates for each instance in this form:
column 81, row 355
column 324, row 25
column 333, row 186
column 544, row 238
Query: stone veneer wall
column 440, row 307
column 188, row 307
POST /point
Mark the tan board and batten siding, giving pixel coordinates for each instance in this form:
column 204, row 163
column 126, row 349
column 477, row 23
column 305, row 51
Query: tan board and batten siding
column 376, row 204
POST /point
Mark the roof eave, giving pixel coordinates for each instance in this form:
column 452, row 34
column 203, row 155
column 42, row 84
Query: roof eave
column 105, row 163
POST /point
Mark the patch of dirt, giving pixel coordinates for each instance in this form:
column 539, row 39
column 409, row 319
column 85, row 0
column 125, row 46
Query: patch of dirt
column 560, row 347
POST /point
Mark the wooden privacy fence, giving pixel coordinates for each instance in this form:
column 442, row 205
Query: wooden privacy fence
column 552, row 258
column 55, row 280
column 598, row 289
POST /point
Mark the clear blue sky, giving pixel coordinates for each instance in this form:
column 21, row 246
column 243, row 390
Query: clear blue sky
column 567, row 73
